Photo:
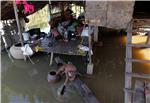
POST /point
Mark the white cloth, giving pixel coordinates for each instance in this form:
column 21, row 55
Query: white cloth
column 87, row 31
column 84, row 48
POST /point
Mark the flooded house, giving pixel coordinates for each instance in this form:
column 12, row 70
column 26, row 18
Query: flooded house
column 75, row 51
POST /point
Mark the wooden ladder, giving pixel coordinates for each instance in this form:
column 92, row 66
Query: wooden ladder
column 128, row 69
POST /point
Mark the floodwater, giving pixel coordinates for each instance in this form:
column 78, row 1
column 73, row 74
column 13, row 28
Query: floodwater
column 23, row 82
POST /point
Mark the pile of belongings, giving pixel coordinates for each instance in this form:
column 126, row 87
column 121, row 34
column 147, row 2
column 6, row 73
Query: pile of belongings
column 66, row 27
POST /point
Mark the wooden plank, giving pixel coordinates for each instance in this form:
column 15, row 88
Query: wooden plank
column 138, row 97
column 139, row 45
column 139, row 75
column 137, row 60
column 69, row 48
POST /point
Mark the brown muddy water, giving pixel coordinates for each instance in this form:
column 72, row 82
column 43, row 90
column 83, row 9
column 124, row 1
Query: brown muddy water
column 23, row 82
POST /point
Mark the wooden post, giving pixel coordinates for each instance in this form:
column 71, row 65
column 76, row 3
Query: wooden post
column 96, row 34
column 97, row 23
column 51, row 59
column 128, row 68
column 148, row 39
column 84, row 5
column 80, row 9
column 90, row 65
column 50, row 14
column 76, row 9
column 0, row 9
column 49, row 7
column 90, row 48
column 17, row 20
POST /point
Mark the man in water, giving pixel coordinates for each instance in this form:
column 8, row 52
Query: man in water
column 70, row 72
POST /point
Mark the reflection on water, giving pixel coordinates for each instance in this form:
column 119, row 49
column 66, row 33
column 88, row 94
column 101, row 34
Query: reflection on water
column 143, row 54
column 140, row 53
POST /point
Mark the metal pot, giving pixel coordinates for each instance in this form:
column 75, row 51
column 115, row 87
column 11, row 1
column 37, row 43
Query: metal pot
column 52, row 77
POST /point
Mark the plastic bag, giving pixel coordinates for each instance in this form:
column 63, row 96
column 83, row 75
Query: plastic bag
column 27, row 50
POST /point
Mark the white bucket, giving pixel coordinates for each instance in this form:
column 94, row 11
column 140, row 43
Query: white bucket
column 25, row 36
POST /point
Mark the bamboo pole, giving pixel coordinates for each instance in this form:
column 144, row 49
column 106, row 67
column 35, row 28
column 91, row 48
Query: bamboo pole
column 17, row 20
column 49, row 7
column 18, row 25
column 128, row 68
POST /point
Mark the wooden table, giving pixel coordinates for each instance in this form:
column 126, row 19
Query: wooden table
column 62, row 47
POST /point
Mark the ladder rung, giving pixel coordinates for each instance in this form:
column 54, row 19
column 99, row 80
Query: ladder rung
column 129, row 90
column 138, row 60
column 132, row 91
column 144, row 27
column 141, row 30
column 139, row 75
column 139, row 45
column 141, row 19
